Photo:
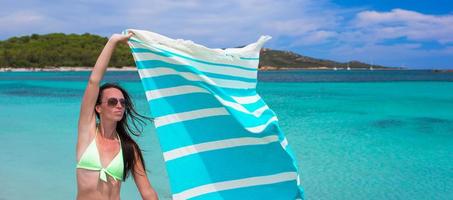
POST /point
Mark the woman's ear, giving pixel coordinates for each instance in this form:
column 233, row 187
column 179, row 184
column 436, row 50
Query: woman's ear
column 98, row 109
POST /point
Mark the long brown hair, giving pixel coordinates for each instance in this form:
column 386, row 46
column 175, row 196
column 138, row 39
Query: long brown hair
column 124, row 129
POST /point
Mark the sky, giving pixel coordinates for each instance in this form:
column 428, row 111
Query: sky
column 399, row 33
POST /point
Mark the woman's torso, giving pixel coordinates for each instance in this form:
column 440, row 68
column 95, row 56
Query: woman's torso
column 89, row 182
column 89, row 186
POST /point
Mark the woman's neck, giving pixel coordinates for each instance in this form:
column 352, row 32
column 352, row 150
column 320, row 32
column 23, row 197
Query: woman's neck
column 108, row 129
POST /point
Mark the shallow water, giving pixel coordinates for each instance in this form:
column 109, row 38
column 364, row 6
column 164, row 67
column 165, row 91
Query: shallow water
column 362, row 135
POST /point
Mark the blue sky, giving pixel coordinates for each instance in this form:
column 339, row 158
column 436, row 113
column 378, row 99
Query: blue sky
column 415, row 34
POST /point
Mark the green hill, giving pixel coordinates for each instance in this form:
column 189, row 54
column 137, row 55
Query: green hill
column 73, row 50
column 58, row 49
column 276, row 59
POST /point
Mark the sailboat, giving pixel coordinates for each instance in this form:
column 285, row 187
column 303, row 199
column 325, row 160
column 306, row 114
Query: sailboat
column 348, row 68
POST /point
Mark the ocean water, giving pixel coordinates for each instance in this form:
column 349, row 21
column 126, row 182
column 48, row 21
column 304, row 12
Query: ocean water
column 356, row 134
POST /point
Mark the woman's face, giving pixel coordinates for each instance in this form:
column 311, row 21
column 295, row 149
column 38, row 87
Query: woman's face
column 112, row 105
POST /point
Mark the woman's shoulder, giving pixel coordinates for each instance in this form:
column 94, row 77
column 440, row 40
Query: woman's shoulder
column 85, row 136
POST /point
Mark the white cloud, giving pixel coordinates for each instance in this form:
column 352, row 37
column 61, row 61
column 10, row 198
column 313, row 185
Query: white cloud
column 232, row 23
column 314, row 38
column 395, row 37
column 404, row 23
column 26, row 22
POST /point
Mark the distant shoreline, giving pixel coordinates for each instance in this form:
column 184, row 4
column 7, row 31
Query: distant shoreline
column 133, row 68
column 272, row 68
column 62, row 69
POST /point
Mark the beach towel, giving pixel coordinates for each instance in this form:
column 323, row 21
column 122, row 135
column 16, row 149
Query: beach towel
column 218, row 137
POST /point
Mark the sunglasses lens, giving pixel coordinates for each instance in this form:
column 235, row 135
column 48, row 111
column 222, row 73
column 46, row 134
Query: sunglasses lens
column 112, row 102
column 123, row 102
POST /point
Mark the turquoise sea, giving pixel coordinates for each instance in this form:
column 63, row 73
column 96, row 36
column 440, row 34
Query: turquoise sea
column 356, row 134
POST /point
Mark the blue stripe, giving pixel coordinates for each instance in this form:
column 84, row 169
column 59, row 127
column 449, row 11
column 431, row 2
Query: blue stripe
column 175, row 81
column 246, row 120
column 228, row 164
column 286, row 190
column 244, row 58
column 220, row 128
column 134, row 40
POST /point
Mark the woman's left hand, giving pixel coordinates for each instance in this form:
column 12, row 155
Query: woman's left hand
column 119, row 38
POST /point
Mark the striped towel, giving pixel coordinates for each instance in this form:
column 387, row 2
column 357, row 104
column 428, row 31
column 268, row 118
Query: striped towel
column 219, row 139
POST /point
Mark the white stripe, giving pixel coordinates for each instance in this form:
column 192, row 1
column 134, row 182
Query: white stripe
column 258, row 129
column 162, row 71
column 173, row 91
column 216, row 145
column 190, row 115
column 234, row 184
column 251, row 64
column 284, row 143
column 257, row 113
column 223, row 70
column 248, row 99
column 232, row 83
column 190, row 89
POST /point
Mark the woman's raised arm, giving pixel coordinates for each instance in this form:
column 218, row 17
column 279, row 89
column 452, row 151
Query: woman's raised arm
column 87, row 117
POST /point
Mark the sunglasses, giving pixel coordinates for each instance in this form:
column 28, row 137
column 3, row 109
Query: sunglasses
column 112, row 102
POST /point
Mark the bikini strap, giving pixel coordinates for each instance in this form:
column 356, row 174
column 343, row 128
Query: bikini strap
column 119, row 139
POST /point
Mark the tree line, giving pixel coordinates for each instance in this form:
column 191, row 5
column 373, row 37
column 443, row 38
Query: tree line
column 59, row 49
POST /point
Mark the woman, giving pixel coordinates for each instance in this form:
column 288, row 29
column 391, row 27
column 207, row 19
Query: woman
column 106, row 153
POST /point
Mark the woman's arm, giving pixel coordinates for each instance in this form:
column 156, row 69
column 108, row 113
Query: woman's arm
column 87, row 117
column 141, row 180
